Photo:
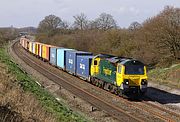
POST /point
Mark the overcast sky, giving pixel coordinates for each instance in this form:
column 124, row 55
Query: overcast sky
column 22, row 13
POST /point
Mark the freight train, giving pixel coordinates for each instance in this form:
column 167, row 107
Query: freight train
column 119, row 75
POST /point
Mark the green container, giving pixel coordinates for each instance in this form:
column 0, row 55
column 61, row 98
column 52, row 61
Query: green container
column 107, row 71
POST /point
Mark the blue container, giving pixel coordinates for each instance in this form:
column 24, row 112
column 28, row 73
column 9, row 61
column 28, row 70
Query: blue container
column 71, row 60
column 53, row 54
column 61, row 57
column 84, row 66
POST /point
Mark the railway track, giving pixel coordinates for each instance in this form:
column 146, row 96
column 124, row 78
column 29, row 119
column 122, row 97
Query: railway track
column 95, row 101
column 162, row 109
column 155, row 110
column 111, row 109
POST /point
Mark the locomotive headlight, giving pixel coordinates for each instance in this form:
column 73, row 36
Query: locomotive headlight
column 144, row 82
column 126, row 81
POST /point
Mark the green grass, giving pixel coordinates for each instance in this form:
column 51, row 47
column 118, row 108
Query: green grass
column 61, row 112
column 167, row 76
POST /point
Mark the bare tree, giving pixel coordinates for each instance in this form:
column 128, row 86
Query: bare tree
column 81, row 22
column 162, row 33
column 134, row 26
column 105, row 22
column 170, row 28
column 50, row 23
column 65, row 25
column 93, row 24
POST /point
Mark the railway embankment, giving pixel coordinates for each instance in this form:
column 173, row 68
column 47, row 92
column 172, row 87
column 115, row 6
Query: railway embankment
column 15, row 104
column 166, row 76
column 164, row 86
column 22, row 99
column 166, row 79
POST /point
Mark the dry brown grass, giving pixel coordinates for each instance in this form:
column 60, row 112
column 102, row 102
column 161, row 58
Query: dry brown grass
column 19, row 101
column 169, row 76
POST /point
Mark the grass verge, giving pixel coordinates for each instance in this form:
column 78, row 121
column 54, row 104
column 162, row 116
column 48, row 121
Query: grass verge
column 61, row 112
column 167, row 76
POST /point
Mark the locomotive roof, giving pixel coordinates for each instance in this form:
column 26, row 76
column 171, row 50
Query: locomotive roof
column 131, row 62
column 121, row 60
column 124, row 61
column 104, row 56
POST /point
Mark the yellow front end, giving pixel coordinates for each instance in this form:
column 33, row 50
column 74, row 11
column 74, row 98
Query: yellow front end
column 131, row 83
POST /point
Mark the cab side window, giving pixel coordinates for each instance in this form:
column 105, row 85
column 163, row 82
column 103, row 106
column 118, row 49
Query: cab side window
column 95, row 62
column 119, row 69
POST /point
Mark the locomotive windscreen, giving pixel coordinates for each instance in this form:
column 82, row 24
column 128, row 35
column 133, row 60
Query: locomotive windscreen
column 134, row 68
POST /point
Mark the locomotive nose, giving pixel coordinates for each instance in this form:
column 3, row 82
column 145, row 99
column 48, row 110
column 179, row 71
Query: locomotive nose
column 134, row 81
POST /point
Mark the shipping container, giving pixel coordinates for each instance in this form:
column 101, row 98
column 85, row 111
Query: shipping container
column 33, row 47
column 37, row 48
column 25, row 43
column 61, row 57
column 45, row 52
column 84, row 66
column 71, row 60
column 53, row 55
column 22, row 42
column 30, row 46
column 40, row 50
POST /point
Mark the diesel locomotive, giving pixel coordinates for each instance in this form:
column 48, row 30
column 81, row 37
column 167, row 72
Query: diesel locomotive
column 119, row 75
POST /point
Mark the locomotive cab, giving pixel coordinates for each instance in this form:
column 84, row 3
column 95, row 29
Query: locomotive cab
column 131, row 76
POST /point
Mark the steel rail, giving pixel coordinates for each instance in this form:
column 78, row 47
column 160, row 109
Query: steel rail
column 112, row 110
column 138, row 106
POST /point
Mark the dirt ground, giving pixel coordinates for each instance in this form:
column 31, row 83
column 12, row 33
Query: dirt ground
column 17, row 105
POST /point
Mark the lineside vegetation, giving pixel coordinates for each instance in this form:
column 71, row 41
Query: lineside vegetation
column 156, row 41
column 26, row 98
